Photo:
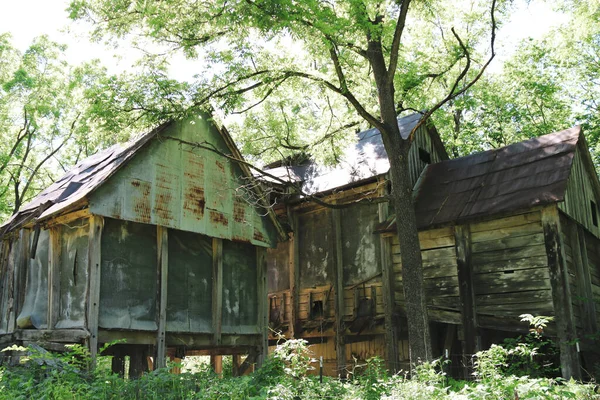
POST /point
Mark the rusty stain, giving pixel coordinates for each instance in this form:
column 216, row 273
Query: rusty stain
column 220, row 165
column 141, row 200
column 218, row 218
column 194, row 201
column 258, row 236
column 161, row 205
column 239, row 211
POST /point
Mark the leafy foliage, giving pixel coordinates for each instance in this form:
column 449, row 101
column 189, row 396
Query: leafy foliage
column 285, row 375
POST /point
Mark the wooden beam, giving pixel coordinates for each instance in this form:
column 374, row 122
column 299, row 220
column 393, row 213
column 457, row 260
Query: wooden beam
column 471, row 339
column 217, row 290
column 263, row 306
column 69, row 217
column 94, row 264
column 579, row 246
column 21, row 270
column 292, row 280
column 338, row 286
column 295, row 275
column 392, row 355
column 561, row 294
column 162, row 236
column 53, row 276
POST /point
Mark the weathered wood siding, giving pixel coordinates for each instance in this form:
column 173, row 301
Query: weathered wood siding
column 174, row 183
column 6, row 286
column 509, row 263
column 278, row 267
column 439, row 268
column 510, row 266
column 424, row 142
column 580, row 195
column 315, row 240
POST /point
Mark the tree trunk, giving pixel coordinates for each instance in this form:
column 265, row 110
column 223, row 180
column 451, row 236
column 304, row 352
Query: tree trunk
column 410, row 253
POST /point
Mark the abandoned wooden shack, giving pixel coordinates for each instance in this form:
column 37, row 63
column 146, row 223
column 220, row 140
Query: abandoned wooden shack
column 337, row 248
column 159, row 242
column 503, row 232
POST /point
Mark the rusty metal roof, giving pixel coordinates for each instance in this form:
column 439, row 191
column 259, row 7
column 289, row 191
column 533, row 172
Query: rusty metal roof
column 519, row 176
column 365, row 160
column 78, row 182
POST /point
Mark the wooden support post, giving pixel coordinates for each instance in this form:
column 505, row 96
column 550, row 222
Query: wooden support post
column 94, row 264
column 235, row 368
column 471, row 339
column 338, row 285
column 162, row 237
column 561, row 294
column 138, row 363
column 117, row 365
column 217, row 290
column 389, row 297
column 216, row 363
column 295, row 275
column 53, row 277
column 21, row 272
column 263, row 306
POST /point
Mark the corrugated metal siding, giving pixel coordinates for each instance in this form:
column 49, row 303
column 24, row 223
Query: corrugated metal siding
column 175, row 184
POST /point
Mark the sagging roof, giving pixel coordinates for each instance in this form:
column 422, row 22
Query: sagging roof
column 72, row 189
column 519, row 176
column 365, row 160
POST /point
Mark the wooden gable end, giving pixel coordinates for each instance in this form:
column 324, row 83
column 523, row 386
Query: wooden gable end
column 582, row 196
column 182, row 179
column 426, row 149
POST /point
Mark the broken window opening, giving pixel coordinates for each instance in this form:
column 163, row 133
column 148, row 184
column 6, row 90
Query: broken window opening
column 316, row 310
column 424, row 156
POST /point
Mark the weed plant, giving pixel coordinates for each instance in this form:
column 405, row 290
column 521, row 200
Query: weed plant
column 287, row 374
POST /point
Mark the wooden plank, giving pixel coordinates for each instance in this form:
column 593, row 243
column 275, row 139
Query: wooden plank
column 509, row 254
column 561, row 296
column 509, row 242
column 472, row 338
column 162, row 237
column 511, row 265
column 295, row 273
column 217, row 290
column 340, row 340
column 513, row 220
column 21, row 272
column 53, row 276
column 583, row 266
column 94, row 263
column 389, row 297
column 507, row 232
column 263, row 306
column 515, row 281
column 70, row 217
column 293, row 277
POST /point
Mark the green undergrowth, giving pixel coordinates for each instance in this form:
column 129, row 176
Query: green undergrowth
column 287, row 374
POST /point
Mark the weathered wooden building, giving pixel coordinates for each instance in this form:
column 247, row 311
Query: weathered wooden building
column 503, row 232
column 338, row 248
column 155, row 242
